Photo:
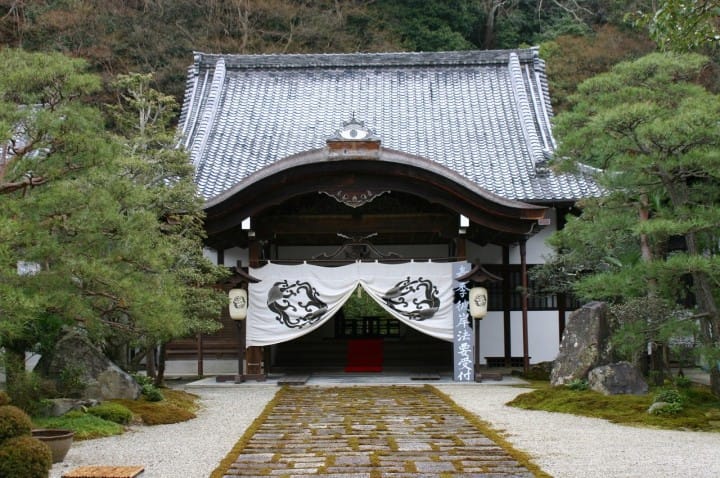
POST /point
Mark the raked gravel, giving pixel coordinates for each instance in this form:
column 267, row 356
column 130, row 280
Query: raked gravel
column 562, row 445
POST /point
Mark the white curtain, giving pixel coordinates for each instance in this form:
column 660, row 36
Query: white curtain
column 293, row 300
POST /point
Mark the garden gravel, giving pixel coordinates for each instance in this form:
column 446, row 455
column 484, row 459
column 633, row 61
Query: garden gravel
column 562, row 445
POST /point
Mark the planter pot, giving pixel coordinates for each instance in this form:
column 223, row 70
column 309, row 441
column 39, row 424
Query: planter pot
column 58, row 440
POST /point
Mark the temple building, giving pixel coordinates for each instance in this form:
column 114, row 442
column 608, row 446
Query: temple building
column 407, row 178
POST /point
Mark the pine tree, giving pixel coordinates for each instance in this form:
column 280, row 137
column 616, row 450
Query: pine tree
column 108, row 226
column 653, row 132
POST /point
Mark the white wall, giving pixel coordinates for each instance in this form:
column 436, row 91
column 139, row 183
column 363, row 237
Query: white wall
column 536, row 247
column 490, row 254
column 210, row 254
column 492, row 343
column 232, row 256
column 543, row 335
column 543, row 341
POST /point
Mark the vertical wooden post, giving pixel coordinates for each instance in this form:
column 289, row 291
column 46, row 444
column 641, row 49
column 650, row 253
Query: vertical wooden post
column 506, row 300
column 254, row 355
column 523, row 267
column 461, row 248
column 200, row 368
column 476, row 367
column 562, row 311
column 561, row 297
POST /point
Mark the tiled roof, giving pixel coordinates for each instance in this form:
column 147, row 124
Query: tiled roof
column 483, row 114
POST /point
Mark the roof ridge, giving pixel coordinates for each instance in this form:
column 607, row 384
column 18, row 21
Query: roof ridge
column 213, row 101
column 524, row 110
column 385, row 59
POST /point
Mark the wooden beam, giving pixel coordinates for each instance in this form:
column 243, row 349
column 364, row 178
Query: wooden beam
column 443, row 224
column 524, row 275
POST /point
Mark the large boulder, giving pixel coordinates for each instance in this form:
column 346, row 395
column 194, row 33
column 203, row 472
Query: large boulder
column 617, row 379
column 102, row 379
column 584, row 345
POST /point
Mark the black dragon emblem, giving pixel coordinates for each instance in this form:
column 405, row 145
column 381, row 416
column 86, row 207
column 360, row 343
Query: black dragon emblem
column 297, row 305
column 415, row 299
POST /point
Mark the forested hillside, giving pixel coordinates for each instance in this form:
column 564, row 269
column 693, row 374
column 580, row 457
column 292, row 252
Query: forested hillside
column 120, row 36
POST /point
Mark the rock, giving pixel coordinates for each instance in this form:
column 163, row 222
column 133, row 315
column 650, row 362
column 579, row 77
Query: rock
column 102, row 379
column 539, row 371
column 616, row 379
column 656, row 407
column 60, row 406
column 584, row 344
column 713, row 414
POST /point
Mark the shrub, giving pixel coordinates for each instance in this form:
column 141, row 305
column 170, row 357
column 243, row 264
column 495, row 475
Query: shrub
column 25, row 457
column 669, row 409
column 28, row 391
column 4, row 399
column 683, row 382
column 142, row 380
column 151, row 393
column 669, row 395
column 13, row 423
column 112, row 412
column 71, row 382
column 577, row 385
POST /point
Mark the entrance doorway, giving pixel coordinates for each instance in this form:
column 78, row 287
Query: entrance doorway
column 362, row 337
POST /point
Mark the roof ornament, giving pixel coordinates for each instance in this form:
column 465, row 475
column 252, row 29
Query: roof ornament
column 354, row 130
column 353, row 141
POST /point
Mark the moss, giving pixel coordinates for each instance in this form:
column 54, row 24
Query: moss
column 392, row 444
column 13, row 422
column 230, row 458
column 112, row 412
column 84, row 425
column 410, row 467
column 625, row 409
column 25, row 457
column 178, row 406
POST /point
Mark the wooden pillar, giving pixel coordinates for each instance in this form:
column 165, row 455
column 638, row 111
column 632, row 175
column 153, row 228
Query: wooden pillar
column 200, row 353
column 506, row 299
column 562, row 312
column 523, row 272
column 476, row 366
column 254, row 355
column 461, row 248
column 561, row 298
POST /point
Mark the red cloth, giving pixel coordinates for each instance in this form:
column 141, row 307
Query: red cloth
column 364, row 355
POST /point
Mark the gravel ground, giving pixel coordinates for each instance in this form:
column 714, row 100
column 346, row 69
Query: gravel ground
column 191, row 449
column 562, row 445
column 574, row 447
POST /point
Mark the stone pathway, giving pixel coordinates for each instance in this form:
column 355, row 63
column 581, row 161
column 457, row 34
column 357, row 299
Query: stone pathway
column 368, row 432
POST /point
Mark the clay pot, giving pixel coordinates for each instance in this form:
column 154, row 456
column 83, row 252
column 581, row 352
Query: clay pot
column 58, row 440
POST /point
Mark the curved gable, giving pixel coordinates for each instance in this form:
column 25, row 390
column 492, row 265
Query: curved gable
column 358, row 171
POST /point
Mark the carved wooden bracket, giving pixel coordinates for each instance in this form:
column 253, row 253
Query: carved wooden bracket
column 355, row 198
column 357, row 248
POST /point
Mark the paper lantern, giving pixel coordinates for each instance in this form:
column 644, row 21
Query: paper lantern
column 238, row 304
column 478, row 302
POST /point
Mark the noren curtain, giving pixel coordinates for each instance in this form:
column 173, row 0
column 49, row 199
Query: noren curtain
column 293, row 300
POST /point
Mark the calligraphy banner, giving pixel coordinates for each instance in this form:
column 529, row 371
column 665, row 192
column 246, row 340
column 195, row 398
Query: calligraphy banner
column 462, row 332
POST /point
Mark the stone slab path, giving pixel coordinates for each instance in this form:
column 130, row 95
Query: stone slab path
column 369, row 432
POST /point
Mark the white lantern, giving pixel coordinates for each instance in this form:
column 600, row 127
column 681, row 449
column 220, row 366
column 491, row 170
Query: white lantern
column 478, row 302
column 238, row 304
